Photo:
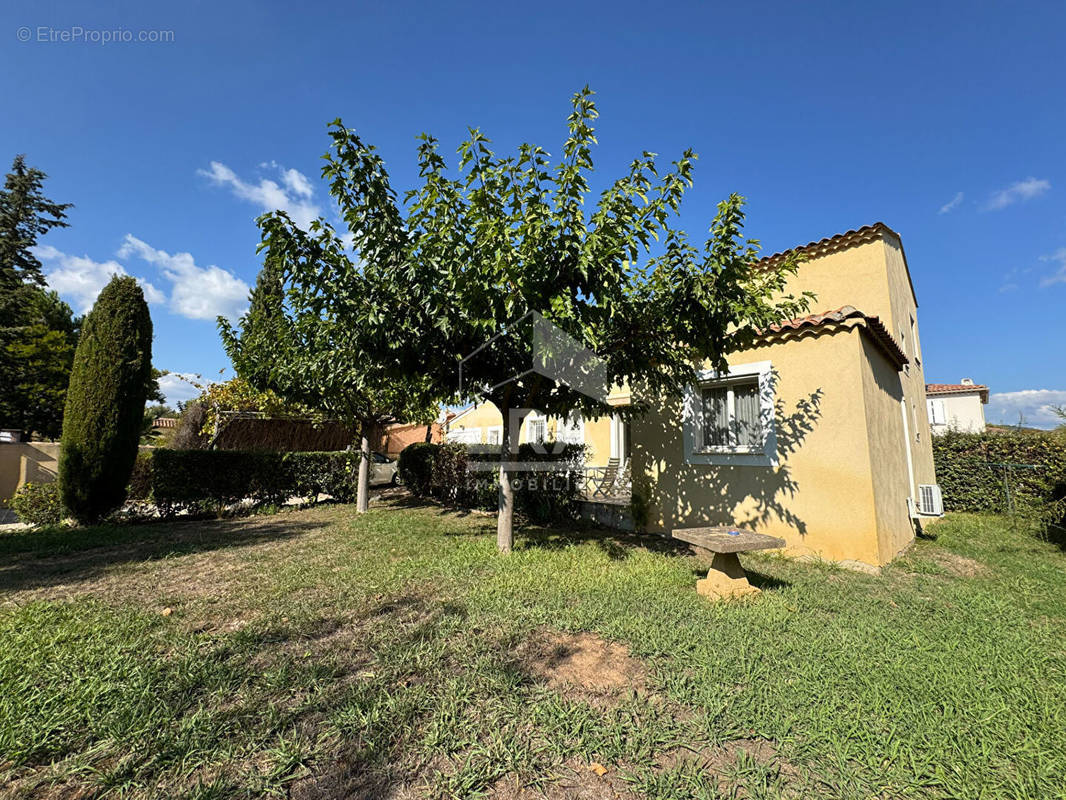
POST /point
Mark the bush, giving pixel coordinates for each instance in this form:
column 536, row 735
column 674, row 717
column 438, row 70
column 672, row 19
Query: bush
column 415, row 467
column 38, row 504
column 104, row 409
column 1002, row 472
column 197, row 480
column 442, row 472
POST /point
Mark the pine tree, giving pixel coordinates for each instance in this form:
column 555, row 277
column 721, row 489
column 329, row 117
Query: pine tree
column 25, row 214
column 36, row 345
column 105, row 402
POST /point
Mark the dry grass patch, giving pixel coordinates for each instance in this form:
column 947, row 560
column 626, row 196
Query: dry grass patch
column 581, row 663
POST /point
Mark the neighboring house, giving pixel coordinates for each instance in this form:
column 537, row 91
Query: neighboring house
column 816, row 434
column 605, row 438
column 957, row 406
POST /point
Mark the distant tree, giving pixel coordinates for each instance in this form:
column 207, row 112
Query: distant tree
column 37, row 364
column 37, row 330
column 25, row 214
column 105, row 402
column 515, row 234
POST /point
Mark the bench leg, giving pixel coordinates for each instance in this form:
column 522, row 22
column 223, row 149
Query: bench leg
column 725, row 579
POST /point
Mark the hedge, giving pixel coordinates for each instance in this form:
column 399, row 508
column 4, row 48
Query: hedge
column 196, row 480
column 1002, row 472
column 442, row 472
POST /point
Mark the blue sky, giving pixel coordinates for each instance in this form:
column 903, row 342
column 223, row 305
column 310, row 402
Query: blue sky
column 944, row 120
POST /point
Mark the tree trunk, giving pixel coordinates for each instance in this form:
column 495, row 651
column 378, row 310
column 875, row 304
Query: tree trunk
column 505, row 515
column 363, row 496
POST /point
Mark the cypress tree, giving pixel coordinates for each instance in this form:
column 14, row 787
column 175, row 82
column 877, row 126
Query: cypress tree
column 105, row 402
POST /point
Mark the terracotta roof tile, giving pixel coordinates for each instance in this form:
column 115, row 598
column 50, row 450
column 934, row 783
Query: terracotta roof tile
column 840, row 241
column 840, row 316
column 957, row 388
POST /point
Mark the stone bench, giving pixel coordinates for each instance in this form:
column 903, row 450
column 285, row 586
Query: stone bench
column 726, row 578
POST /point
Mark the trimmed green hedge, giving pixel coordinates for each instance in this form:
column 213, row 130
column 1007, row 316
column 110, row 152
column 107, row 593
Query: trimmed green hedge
column 1002, row 472
column 196, row 480
column 441, row 472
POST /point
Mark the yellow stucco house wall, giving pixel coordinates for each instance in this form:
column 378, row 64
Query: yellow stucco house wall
column 842, row 398
column 843, row 441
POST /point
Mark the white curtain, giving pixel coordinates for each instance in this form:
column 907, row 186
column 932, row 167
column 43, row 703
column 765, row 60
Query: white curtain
column 746, row 425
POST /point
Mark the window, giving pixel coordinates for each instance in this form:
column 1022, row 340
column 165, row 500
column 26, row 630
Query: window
column 494, row 435
column 729, row 418
column 937, row 415
column 914, row 342
column 537, row 430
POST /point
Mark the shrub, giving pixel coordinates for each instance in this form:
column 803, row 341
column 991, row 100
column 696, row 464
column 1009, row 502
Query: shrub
column 1002, row 472
column 105, row 402
column 38, row 504
column 415, row 467
column 442, row 472
column 196, row 480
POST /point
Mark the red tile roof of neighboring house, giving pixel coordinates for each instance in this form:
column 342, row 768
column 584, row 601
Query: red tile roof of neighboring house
column 841, row 317
column 957, row 388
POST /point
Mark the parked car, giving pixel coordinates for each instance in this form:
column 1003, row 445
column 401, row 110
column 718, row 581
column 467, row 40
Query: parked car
column 383, row 470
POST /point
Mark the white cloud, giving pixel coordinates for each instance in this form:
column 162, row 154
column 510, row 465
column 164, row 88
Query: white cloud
column 1034, row 406
column 952, row 204
column 1018, row 191
column 1059, row 276
column 177, row 388
column 79, row 279
column 198, row 292
column 294, row 197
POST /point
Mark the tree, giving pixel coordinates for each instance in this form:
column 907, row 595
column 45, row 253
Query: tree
column 105, row 402
column 25, row 214
column 36, row 364
column 511, row 235
column 37, row 330
column 319, row 332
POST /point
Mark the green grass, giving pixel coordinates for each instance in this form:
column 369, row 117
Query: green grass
column 328, row 654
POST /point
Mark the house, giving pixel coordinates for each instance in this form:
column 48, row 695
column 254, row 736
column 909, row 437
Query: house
column 957, row 406
column 605, row 438
column 816, row 434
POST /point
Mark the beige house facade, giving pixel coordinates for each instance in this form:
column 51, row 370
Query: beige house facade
column 818, row 434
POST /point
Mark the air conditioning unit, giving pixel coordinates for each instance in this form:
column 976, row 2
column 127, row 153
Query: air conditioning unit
column 930, row 500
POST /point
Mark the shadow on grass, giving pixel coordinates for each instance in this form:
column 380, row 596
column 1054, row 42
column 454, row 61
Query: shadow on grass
column 37, row 559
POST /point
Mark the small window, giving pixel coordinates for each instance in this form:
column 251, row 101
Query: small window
column 538, row 430
column 494, row 436
column 730, row 418
column 914, row 342
column 937, row 415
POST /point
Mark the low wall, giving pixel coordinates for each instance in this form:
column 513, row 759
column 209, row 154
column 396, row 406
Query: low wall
column 27, row 462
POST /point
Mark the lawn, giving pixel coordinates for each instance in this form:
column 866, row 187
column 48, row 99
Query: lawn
column 318, row 653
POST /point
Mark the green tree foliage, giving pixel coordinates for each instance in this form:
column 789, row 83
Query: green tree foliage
column 36, row 362
column 105, row 402
column 321, row 332
column 37, row 330
column 502, row 236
